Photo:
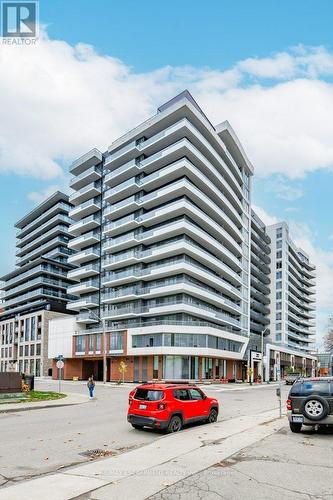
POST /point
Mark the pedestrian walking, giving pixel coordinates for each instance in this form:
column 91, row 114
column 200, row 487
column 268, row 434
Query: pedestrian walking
column 91, row 387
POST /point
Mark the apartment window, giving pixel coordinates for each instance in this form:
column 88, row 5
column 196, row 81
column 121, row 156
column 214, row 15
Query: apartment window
column 279, row 232
column 278, row 316
column 278, row 337
column 32, row 350
column 278, row 295
column 279, row 265
column 80, row 343
column 279, row 254
column 98, row 342
column 37, row 367
column 38, row 349
column 27, row 329
column 279, row 305
column 21, row 351
column 279, row 244
column 33, row 328
column 278, row 326
column 26, row 350
column 279, row 285
column 279, row 275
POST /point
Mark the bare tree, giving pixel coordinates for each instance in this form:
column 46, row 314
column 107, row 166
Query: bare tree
column 328, row 338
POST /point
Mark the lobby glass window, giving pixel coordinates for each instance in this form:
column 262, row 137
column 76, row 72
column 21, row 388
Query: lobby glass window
column 155, row 367
column 91, row 342
column 80, row 343
column 116, row 341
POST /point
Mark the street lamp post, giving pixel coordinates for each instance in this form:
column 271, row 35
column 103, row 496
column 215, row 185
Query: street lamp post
column 101, row 320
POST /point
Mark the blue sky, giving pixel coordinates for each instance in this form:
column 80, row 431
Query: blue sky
column 101, row 67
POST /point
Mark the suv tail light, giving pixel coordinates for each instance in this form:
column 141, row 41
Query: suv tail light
column 161, row 406
column 289, row 406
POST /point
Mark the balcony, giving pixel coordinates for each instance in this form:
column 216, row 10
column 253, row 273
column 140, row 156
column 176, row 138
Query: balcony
column 93, row 157
column 55, row 231
column 86, row 317
column 40, row 280
column 87, row 208
column 91, row 285
column 89, row 301
column 90, row 222
column 84, row 256
column 180, row 285
column 172, row 306
column 45, row 217
column 40, row 269
column 176, row 266
column 83, row 272
column 57, row 220
column 86, row 193
column 90, row 175
column 40, row 292
column 85, row 240
column 55, row 242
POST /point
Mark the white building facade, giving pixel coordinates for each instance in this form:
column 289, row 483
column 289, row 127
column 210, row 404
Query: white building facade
column 162, row 245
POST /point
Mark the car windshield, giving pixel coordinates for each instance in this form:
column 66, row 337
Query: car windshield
column 148, row 395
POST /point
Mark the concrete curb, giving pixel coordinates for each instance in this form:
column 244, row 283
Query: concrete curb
column 36, row 406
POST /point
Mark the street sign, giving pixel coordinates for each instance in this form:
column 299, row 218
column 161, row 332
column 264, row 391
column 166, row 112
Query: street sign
column 60, row 364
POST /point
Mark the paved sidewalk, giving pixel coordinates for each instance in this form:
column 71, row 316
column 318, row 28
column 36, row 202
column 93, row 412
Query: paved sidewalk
column 164, row 462
column 70, row 399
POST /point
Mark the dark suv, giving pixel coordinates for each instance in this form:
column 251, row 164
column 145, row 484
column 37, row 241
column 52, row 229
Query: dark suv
column 310, row 402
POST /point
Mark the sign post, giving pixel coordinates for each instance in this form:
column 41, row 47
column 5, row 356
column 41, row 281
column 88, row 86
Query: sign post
column 279, row 391
column 60, row 365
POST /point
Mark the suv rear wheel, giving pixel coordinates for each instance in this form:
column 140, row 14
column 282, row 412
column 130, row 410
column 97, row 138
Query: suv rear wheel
column 175, row 424
column 295, row 427
column 315, row 408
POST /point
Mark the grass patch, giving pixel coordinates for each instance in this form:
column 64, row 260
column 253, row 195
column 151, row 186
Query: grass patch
column 43, row 396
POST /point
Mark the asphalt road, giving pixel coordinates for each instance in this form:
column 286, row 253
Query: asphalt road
column 39, row 441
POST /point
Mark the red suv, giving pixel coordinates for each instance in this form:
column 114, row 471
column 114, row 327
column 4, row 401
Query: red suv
column 170, row 406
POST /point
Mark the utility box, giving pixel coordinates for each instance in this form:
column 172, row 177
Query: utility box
column 10, row 382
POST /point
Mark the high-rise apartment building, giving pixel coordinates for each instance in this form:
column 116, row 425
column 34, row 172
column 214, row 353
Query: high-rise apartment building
column 161, row 238
column 36, row 290
column 292, row 292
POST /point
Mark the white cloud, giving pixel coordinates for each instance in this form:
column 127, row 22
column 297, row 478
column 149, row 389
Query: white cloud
column 267, row 218
column 285, row 189
column 59, row 100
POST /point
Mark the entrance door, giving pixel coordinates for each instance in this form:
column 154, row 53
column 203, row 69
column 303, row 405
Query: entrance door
column 100, row 370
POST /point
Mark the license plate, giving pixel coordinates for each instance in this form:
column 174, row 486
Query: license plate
column 298, row 419
column 143, row 407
